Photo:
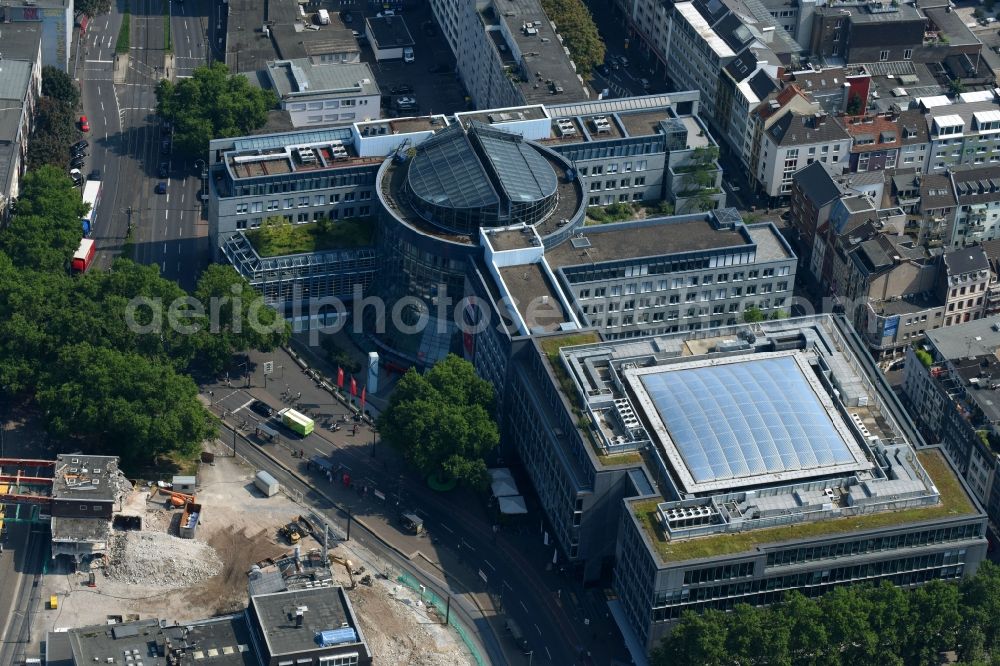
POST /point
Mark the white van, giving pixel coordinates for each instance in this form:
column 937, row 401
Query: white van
column 323, row 16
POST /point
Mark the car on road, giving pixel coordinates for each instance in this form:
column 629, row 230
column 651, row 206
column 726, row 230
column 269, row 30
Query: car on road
column 439, row 68
column 262, row 409
column 165, row 146
column 401, row 89
column 163, row 170
column 79, row 145
column 84, row 124
column 94, row 175
column 623, row 61
column 645, row 84
column 408, row 54
column 603, row 70
column 404, row 103
column 161, row 187
column 386, row 12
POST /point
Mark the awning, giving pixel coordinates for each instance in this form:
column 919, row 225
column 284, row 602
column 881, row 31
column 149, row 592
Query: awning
column 512, row 505
column 504, row 488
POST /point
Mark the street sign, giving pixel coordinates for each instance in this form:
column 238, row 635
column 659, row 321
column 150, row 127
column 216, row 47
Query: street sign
column 268, row 367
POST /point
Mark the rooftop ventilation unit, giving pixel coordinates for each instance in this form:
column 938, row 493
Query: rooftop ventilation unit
column 306, row 155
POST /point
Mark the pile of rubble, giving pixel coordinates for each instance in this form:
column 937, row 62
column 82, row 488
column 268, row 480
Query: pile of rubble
column 156, row 559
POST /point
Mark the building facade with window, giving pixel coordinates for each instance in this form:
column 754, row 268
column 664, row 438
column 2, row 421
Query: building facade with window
column 977, row 213
column 793, row 142
column 326, row 94
column 965, row 133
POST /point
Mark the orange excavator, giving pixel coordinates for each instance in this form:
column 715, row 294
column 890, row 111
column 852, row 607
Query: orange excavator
column 179, row 499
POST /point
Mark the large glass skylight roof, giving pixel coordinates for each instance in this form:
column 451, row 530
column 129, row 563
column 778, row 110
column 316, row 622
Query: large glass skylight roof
column 733, row 421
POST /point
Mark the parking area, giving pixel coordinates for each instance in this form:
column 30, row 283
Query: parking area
column 431, row 77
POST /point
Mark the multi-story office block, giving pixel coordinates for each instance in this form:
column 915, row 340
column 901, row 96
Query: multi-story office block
column 738, row 464
column 967, row 133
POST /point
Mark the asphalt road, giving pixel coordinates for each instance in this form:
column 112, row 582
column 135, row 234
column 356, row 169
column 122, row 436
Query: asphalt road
column 551, row 608
column 125, row 142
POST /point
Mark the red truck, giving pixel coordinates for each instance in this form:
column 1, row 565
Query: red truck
column 84, row 256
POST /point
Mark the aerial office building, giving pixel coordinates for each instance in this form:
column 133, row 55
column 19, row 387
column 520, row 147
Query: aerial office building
column 734, row 464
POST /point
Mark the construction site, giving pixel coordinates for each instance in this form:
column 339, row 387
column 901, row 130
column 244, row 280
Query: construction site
column 198, row 548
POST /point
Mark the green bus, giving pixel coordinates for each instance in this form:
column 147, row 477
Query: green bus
column 299, row 423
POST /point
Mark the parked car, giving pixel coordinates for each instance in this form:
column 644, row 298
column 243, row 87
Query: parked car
column 79, row 144
column 77, row 176
column 603, row 70
column 163, row 170
column 165, row 146
column 161, row 187
column 386, row 12
column 408, row 56
column 401, row 89
column 645, row 84
column 261, row 408
column 84, row 124
column 77, row 162
column 79, row 152
column 406, row 103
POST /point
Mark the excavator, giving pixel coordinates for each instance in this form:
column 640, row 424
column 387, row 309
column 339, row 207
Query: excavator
column 175, row 499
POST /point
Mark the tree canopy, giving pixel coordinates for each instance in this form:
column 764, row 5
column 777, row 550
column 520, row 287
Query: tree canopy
column 92, row 7
column 441, row 421
column 55, row 130
column 78, row 348
column 858, row 625
column 211, row 104
column 59, row 85
column 576, row 25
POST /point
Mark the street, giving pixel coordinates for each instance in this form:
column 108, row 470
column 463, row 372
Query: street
column 125, row 138
column 511, row 568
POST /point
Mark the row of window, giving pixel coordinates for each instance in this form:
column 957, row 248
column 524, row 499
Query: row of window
column 612, row 168
column 302, row 202
column 301, row 218
column 690, row 297
column 609, row 199
column 689, row 313
column 689, row 281
column 597, row 186
column 861, row 546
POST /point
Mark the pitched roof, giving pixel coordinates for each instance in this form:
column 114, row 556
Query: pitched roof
column 816, row 183
column 796, row 130
column 870, row 132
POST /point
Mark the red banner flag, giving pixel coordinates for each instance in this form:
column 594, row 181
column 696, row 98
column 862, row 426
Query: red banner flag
column 354, row 386
column 364, row 391
column 340, row 378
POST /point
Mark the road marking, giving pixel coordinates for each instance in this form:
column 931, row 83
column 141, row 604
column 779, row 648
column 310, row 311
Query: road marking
column 101, row 62
column 102, row 109
column 490, row 565
column 164, row 248
column 166, row 214
column 164, row 267
column 182, row 197
column 549, row 654
column 538, row 630
column 243, row 406
column 447, row 528
column 168, row 194
column 524, row 607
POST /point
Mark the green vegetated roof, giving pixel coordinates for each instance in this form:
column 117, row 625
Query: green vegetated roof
column 552, row 345
column 312, row 237
column 954, row 502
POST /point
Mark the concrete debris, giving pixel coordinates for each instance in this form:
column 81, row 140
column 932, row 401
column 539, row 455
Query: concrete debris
column 156, row 559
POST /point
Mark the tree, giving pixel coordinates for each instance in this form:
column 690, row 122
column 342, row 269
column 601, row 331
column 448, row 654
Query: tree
column 54, row 132
column 46, row 230
column 235, row 318
column 579, row 32
column 58, row 85
column 441, row 421
column 924, row 357
column 92, row 7
column 697, row 639
column 212, row 104
column 854, row 105
column 752, row 315
column 956, row 86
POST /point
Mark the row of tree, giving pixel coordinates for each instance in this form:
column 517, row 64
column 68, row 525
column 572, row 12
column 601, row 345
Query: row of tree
column 70, row 344
column 54, row 129
column 856, row 625
column 579, row 32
